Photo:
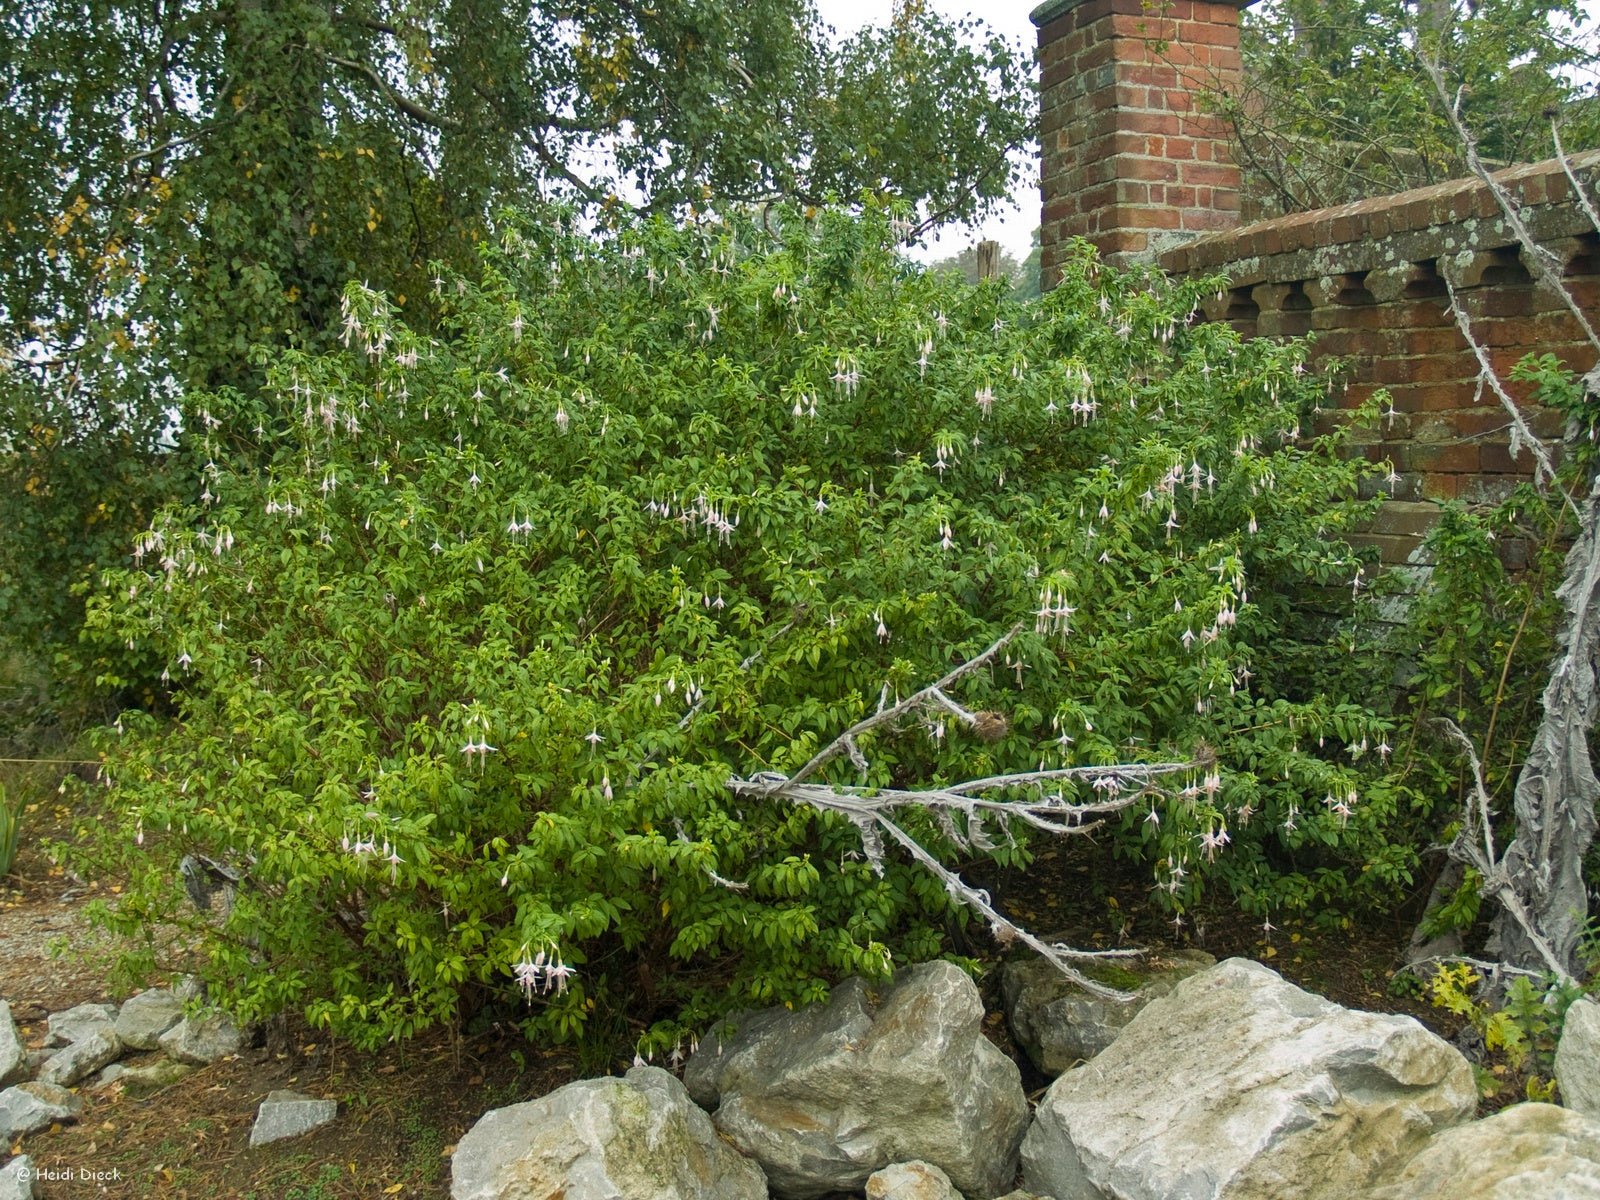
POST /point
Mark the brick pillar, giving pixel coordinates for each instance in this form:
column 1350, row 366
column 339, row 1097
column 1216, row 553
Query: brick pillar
column 1129, row 161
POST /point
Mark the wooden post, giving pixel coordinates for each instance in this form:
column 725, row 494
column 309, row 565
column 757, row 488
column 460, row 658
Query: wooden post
column 988, row 259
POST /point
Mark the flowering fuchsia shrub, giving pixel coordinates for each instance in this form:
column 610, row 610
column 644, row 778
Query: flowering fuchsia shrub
column 472, row 631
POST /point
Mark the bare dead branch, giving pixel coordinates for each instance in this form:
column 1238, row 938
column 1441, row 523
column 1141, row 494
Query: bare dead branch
column 871, row 809
column 885, row 715
column 1577, row 188
column 1498, row 882
column 1521, row 433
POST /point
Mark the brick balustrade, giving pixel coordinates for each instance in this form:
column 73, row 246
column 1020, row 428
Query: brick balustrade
column 1369, row 281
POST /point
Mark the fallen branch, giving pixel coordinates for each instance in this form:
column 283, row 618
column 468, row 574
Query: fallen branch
column 846, row 740
column 871, row 809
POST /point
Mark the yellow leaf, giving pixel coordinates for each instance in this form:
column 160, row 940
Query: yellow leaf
column 371, row 225
column 393, row 1188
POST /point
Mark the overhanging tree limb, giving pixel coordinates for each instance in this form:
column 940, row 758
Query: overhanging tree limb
column 408, row 106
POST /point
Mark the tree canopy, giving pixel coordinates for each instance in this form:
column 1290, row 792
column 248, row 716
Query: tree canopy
column 180, row 182
column 1337, row 103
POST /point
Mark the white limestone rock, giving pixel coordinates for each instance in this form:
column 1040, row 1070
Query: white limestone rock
column 640, row 1137
column 30, row 1107
column 1578, row 1058
column 17, row 1181
column 824, row 1096
column 1059, row 1025
column 75, row 1024
column 1525, row 1152
column 289, row 1114
column 142, row 1079
column 911, row 1181
column 202, row 1039
column 97, row 1048
column 1240, row 1086
column 13, row 1055
column 145, row 1017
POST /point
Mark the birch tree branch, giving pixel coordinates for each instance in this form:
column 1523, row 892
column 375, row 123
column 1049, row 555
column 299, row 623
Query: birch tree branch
column 1539, row 256
column 1521, row 433
column 1577, row 188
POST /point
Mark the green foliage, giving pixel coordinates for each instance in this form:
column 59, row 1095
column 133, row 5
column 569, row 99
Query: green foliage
column 1556, row 385
column 1336, row 104
column 1479, row 637
column 466, row 648
column 1458, row 911
column 1520, row 1033
column 181, row 182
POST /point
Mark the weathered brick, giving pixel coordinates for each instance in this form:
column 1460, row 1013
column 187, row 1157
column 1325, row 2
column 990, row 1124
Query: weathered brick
column 1402, row 518
column 1440, row 486
column 1461, row 457
column 1495, row 458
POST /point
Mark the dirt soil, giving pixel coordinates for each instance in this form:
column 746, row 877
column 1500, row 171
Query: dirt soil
column 402, row 1111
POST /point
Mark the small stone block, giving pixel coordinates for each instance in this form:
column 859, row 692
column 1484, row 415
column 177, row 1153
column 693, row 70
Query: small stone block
column 289, row 1114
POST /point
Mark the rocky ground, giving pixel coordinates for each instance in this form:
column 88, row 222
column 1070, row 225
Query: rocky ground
column 401, row 1114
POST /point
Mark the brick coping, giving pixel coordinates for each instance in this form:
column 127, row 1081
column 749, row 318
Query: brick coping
column 1363, row 221
column 1051, row 9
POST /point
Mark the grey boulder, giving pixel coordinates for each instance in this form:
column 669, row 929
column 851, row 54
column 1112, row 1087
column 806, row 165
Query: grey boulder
column 910, row 1181
column 13, row 1056
column 1526, row 1151
column 82, row 1058
column 75, row 1024
column 145, row 1017
column 202, row 1039
column 824, row 1096
column 1059, row 1024
column 1578, row 1058
column 146, row 1078
column 30, row 1107
column 17, row 1180
column 289, row 1114
column 636, row 1138
column 1241, row 1086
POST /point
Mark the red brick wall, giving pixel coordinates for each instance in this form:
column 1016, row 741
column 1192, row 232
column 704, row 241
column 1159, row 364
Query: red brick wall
column 1369, row 280
column 1129, row 163
column 1128, row 160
